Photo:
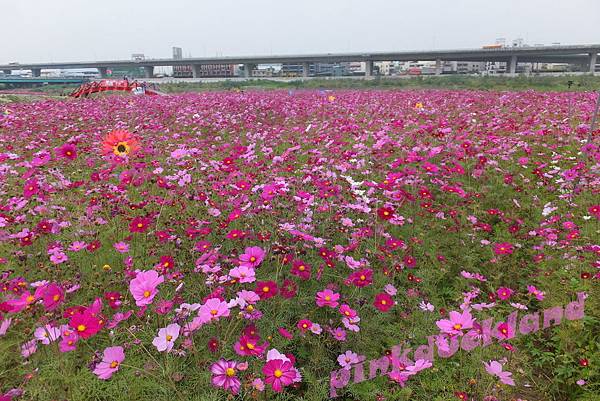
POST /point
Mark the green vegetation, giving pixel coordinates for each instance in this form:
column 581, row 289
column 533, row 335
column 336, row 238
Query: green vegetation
column 541, row 83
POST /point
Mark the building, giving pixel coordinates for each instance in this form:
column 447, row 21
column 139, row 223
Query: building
column 177, row 53
column 205, row 71
column 315, row 69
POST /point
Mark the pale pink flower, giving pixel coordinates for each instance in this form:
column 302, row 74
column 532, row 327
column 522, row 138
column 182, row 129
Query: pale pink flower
column 166, row 337
column 347, row 359
column 213, row 309
column 494, row 368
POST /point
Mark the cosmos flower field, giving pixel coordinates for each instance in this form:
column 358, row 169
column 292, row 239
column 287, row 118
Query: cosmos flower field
column 264, row 245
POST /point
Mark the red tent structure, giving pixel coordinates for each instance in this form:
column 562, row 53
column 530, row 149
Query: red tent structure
column 115, row 85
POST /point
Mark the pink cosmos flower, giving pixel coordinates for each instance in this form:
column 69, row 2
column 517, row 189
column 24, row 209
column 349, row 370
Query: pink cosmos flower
column 143, row 286
column 52, row 296
column 166, row 337
column 284, row 333
column 327, row 298
column 504, row 293
column 494, row 368
column 539, row 295
column 249, row 345
column 244, row 273
column 68, row 342
column 383, row 302
column 30, row 188
column 339, row 334
column 4, row 326
column 77, row 246
column 252, row 257
column 301, row 269
column 224, row 375
column 58, row 257
column 304, row 324
column 85, row 323
column 112, row 358
column 139, row 224
column 213, row 309
column 347, row 311
column 420, row 364
column 457, row 323
column 347, row 359
column 278, row 374
column 505, row 330
column 503, row 248
column 46, row 334
column 67, row 151
column 258, row 384
column 121, row 247
column 28, row 348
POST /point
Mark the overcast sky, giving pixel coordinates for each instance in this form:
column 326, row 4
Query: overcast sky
column 68, row 30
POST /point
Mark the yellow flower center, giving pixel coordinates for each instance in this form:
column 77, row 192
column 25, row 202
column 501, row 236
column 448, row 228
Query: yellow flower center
column 265, row 289
column 146, row 294
column 121, row 149
column 250, row 346
column 252, row 259
column 230, row 372
column 278, row 373
column 214, row 312
column 327, row 298
column 363, row 277
column 169, row 337
column 56, row 297
column 114, row 364
column 81, row 328
column 457, row 326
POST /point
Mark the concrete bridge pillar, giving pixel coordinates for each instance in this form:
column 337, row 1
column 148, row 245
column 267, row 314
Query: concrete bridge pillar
column 305, row 70
column 196, row 71
column 368, row 68
column 438, row 66
column 511, row 66
column 248, row 70
column 36, row 72
column 148, row 71
column 592, row 62
column 103, row 72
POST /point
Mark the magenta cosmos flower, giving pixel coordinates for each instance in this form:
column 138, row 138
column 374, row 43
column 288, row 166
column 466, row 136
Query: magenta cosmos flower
column 252, row 256
column 327, row 298
column 456, row 324
column 504, row 293
column 383, row 302
column 278, row 374
column 503, row 248
column 224, row 375
column 67, row 151
column 143, row 287
column 166, row 337
column 113, row 356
